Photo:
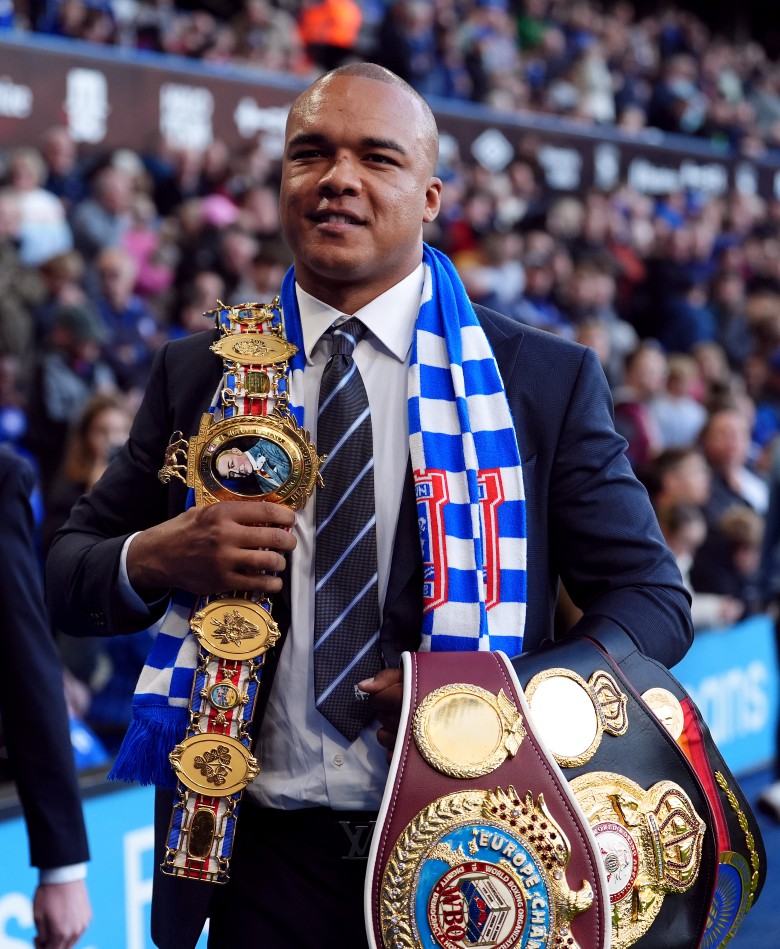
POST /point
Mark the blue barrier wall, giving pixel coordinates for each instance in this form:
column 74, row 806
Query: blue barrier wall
column 119, row 824
column 732, row 675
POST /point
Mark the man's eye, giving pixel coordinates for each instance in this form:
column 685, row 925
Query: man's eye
column 381, row 159
column 305, row 153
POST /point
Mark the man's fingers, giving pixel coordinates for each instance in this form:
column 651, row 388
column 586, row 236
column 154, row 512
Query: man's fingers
column 257, row 538
column 384, row 679
column 256, row 513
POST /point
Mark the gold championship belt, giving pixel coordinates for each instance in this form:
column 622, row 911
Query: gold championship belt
column 477, row 844
column 480, row 841
column 681, row 848
column 248, row 448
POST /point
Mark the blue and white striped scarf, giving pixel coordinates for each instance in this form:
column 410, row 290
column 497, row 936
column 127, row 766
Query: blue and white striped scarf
column 471, row 513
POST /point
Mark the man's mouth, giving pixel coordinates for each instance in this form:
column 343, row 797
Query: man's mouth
column 334, row 217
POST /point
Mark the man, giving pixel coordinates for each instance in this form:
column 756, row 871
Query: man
column 266, row 461
column 35, row 723
column 357, row 185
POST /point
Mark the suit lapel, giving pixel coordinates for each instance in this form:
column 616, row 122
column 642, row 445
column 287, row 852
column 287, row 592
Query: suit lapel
column 505, row 340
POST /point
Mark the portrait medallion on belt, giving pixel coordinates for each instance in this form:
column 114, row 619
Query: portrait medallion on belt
column 250, row 458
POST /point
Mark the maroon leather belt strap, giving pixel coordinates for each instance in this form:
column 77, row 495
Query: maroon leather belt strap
column 479, row 839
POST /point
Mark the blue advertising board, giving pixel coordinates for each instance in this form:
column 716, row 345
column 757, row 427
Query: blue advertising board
column 119, row 824
column 732, row 675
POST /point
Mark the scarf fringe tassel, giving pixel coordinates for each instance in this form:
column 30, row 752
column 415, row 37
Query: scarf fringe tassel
column 143, row 756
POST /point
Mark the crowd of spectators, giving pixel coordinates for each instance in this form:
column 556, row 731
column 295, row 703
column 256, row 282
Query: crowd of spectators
column 572, row 58
column 104, row 255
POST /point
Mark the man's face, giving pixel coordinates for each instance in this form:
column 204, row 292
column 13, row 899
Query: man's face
column 233, row 463
column 357, row 186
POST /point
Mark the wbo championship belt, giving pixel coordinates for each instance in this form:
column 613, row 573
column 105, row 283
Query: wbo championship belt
column 248, row 448
column 480, row 841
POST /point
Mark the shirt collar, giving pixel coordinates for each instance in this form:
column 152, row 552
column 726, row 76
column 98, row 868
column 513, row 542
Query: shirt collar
column 390, row 317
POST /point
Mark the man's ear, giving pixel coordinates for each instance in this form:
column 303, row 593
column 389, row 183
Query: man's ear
column 432, row 200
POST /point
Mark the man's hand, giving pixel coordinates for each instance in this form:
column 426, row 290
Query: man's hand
column 233, row 545
column 61, row 912
column 386, row 690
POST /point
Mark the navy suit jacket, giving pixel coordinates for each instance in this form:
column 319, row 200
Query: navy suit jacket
column 589, row 521
column 32, row 702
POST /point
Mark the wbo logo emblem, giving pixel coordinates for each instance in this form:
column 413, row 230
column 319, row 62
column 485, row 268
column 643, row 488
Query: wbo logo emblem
column 482, row 903
column 481, row 869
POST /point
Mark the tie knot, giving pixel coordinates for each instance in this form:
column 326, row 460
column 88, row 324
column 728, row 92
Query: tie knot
column 346, row 336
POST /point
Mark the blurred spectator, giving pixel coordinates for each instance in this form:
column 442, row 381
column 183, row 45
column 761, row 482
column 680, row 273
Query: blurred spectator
column 677, row 413
column 677, row 104
column 62, row 278
column 258, row 210
column 20, row 286
column 725, row 440
column 236, row 253
column 66, row 373
column 589, row 294
column 198, row 237
column 65, row 178
column 43, row 227
column 128, row 327
column 102, row 220
column 680, row 476
column 193, row 301
column 267, row 37
column 767, row 424
column 644, row 380
column 90, row 20
column 713, row 366
column 97, row 435
column 744, row 533
column 593, row 82
column 329, row 30
column 684, row 528
column 488, row 38
column 688, row 318
column 493, row 272
column 262, row 280
column 594, row 332
column 423, row 51
column 178, row 178
column 732, row 331
column 537, row 305
column 149, row 247
column 13, row 418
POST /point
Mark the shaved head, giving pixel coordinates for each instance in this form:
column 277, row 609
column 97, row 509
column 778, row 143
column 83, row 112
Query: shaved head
column 428, row 127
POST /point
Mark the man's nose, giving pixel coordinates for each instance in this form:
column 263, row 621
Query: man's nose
column 342, row 175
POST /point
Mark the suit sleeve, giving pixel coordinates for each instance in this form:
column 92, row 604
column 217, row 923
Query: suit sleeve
column 32, row 702
column 604, row 536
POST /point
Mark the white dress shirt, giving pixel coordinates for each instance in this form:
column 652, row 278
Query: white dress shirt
column 304, row 760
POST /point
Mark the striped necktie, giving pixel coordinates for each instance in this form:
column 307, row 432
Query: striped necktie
column 346, row 611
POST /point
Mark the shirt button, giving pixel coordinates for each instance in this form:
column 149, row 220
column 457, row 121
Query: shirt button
column 338, row 760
